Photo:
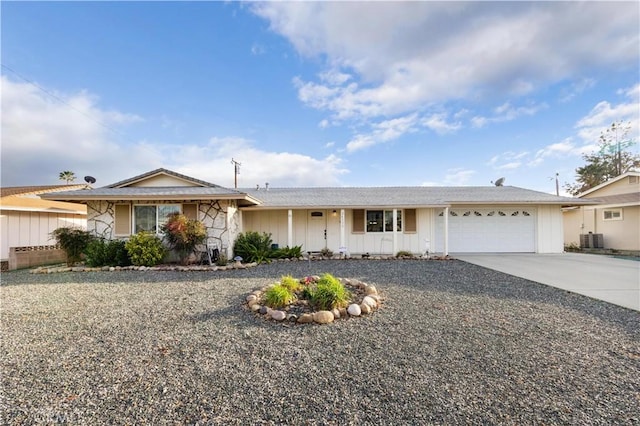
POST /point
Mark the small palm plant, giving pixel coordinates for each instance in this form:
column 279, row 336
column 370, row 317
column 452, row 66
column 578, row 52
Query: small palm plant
column 67, row 176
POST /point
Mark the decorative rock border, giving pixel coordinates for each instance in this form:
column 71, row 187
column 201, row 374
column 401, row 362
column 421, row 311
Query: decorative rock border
column 371, row 301
column 56, row 269
column 234, row 265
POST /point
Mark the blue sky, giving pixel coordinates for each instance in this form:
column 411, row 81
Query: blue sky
column 315, row 94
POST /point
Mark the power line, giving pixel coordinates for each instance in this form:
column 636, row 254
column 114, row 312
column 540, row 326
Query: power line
column 59, row 99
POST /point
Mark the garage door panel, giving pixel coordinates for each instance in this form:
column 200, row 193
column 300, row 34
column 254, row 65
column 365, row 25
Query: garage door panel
column 488, row 230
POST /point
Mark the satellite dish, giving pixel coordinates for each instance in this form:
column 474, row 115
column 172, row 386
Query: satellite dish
column 499, row 182
column 90, row 179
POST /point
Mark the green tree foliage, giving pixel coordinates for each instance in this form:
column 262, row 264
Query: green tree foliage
column 612, row 159
column 145, row 249
column 67, row 176
column 183, row 235
column 73, row 241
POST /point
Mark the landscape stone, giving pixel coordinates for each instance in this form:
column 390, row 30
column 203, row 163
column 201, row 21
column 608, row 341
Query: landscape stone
column 255, row 307
column 336, row 313
column 354, row 310
column 278, row 315
column 369, row 290
column 323, row 317
column 365, row 309
column 305, row 318
column 369, row 301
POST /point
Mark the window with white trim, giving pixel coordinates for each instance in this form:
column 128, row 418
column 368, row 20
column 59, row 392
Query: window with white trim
column 612, row 214
column 150, row 217
column 382, row 220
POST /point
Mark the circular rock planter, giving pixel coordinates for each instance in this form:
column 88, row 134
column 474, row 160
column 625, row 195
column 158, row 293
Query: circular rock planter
column 363, row 301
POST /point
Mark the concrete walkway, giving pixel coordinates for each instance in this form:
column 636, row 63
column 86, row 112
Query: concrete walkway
column 605, row 278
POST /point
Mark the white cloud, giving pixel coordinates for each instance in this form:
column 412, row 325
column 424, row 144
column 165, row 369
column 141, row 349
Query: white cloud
column 439, row 124
column 402, row 56
column 384, row 131
column 564, row 148
column 590, row 127
column 42, row 136
column 211, row 162
column 508, row 160
column 507, row 112
column 458, row 176
column 576, row 88
column 604, row 114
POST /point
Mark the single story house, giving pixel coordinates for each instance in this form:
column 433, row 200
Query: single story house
column 26, row 222
column 614, row 223
column 353, row 220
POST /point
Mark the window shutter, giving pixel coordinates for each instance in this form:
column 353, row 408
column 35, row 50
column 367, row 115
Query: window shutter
column 190, row 211
column 357, row 226
column 410, row 221
column 122, row 219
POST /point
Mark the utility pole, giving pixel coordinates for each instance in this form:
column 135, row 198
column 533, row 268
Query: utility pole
column 557, row 187
column 236, row 172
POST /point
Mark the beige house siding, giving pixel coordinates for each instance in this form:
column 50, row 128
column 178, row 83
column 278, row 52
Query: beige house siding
column 275, row 222
column 622, row 186
column 621, row 234
column 30, row 229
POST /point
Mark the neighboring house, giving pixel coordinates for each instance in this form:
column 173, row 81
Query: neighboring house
column 354, row 220
column 614, row 223
column 26, row 222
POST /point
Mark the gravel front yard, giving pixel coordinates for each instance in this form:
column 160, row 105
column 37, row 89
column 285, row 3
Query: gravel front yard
column 453, row 343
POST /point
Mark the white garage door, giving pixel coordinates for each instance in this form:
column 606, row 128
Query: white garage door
column 498, row 230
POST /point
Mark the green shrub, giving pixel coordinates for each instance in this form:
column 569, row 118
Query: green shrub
column 73, row 241
column 222, row 260
column 183, row 235
column 145, row 249
column 278, row 296
column 329, row 293
column 292, row 284
column 253, row 246
column 101, row 252
column 286, row 253
column 404, row 253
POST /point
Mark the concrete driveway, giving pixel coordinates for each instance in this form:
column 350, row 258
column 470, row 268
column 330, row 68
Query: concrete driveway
column 605, row 278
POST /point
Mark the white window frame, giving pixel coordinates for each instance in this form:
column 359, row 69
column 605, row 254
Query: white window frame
column 614, row 214
column 157, row 223
column 385, row 215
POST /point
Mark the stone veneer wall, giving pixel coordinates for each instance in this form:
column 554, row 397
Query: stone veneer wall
column 100, row 216
column 213, row 214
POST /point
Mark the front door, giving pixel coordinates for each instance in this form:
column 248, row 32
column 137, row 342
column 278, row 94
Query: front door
column 316, row 230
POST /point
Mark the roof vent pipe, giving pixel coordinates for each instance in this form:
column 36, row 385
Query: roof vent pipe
column 257, row 187
column 266, row 186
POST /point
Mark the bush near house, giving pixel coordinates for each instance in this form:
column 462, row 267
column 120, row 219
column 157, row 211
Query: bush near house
column 101, row 252
column 183, row 235
column 286, row 252
column 145, row 249
column 253, row 246
column 73, row 241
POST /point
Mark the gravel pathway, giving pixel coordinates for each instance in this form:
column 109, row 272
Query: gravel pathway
column 453, row 343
